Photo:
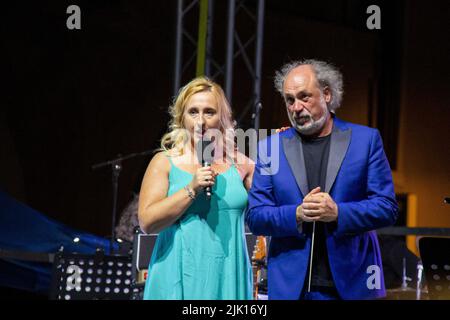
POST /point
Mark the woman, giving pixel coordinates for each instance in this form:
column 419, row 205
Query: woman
column 200, row 252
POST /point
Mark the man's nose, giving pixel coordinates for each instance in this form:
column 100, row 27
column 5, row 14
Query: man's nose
column 297, row 106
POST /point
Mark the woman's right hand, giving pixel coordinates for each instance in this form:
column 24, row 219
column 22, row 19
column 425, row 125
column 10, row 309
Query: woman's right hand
column 203, row 177
column 282, row 129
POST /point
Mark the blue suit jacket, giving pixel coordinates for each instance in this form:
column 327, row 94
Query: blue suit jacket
column 360, row 182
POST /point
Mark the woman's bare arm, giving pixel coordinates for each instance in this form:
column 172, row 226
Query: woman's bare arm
column 157, row 210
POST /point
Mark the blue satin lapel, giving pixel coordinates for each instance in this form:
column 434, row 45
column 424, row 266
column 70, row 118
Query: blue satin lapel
column 293, row 151
column 340, row 140
column 292, row 147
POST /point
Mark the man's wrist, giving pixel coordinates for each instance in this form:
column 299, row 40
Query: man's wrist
column 299, row 219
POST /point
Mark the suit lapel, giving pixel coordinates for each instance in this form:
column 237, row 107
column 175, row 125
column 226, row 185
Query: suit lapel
column 292, row 147
column 293, row 151
column 340, row 140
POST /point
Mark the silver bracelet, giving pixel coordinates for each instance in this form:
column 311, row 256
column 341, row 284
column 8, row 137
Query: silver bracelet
column 189, row 191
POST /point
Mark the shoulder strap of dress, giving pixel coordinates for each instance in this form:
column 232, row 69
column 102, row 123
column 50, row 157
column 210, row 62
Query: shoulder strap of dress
column 169, row 158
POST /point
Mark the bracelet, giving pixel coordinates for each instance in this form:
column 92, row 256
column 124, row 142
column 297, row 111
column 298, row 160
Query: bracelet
column 189, row 191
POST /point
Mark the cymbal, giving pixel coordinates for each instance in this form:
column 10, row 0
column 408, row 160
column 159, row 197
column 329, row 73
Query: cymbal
column 406, row 294
column 401, row 289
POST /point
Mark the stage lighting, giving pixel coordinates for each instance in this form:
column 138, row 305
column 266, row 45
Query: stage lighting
column 91, row 277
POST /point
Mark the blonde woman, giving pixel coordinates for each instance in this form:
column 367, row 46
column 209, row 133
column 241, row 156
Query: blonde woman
column 200, row 252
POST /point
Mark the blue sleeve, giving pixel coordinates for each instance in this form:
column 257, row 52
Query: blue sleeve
column 380, row 208
column 264, row 215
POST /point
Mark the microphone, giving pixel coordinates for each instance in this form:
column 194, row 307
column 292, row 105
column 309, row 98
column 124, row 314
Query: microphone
column 206, row 157
column 207, row 188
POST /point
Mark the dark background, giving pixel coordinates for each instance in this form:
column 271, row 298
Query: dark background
column 74, row 98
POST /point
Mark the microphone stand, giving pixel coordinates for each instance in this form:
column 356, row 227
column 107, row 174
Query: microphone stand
column 255, row 117
column 405, row 277
column 116, row 168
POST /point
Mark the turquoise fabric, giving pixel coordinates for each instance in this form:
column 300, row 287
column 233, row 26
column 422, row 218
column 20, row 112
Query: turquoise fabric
column 204, row 254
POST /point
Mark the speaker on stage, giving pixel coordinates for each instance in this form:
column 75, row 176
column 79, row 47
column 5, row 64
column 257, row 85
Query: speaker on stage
column 143, row 245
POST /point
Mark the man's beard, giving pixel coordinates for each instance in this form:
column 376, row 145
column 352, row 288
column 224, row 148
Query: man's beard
column 311, row 126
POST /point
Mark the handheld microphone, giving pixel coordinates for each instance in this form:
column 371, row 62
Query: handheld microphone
column 206, row 157
column 208, row 188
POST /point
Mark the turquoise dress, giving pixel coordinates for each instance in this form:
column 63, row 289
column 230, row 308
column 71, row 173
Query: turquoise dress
column 204, row 254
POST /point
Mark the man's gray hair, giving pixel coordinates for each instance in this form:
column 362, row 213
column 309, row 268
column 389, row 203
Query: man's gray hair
column 327, row 75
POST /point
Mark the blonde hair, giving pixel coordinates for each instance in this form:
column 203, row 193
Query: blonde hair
column 175, row 140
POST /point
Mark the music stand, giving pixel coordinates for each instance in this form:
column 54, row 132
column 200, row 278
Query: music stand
column 91, row 277
column 435, row 254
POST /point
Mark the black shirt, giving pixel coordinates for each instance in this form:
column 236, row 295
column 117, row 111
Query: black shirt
column 316, row 151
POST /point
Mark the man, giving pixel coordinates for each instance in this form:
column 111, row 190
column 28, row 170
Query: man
column 331, row 188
